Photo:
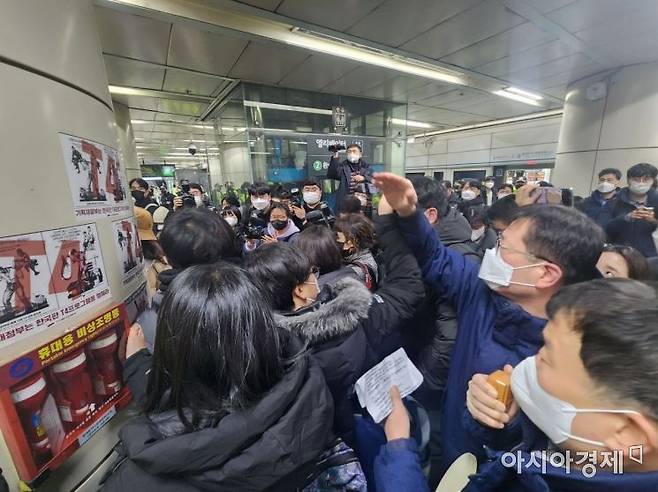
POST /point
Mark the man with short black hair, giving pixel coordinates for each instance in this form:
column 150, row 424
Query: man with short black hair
column 502, row 213
column 353, row 173
column 501, row 306
column 600, row 204
column 312, row 202
column 489, row 193
column 634, row 214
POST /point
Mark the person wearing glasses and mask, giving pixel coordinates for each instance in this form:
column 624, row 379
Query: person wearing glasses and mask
column 634, row 212
column 501, row 305
column 348, row 328
column 351, row 172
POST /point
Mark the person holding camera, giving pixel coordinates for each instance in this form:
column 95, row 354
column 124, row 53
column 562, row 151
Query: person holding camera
column 351, row 172
column 193, row 196
column 312, row 210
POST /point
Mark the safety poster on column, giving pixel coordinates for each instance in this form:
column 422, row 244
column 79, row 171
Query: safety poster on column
column 97, row 181
column 48, row 276
column 129, row 249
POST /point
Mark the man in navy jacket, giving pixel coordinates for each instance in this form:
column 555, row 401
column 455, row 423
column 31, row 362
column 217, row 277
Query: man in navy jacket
column 500, row 320
column 599, row 206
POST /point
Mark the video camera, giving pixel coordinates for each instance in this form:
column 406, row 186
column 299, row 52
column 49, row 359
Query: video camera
column 323, row 216
column 254, row 232
column 296, row 197
column 188, row 200
column 336, row 148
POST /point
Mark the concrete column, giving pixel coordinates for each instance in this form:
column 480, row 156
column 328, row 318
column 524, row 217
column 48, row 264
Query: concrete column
column 53, row 80
column 609, row 121
column 127, row 141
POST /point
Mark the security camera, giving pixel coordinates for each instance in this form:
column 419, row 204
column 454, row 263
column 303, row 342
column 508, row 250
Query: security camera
column 191, row 149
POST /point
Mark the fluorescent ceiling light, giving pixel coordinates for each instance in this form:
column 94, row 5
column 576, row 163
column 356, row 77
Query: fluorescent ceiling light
column 300, row 143
column 485, row 124
column 516, row 97
column 257, row 129
column 410, row 123
column 363, row 54
column 174, row 123
column 411, row 139
column 286, row 107
column 260, row 153
column 524, row 93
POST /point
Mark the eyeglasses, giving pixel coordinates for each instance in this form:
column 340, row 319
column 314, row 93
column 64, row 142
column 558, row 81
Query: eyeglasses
column 499, row 246
column 315, row 271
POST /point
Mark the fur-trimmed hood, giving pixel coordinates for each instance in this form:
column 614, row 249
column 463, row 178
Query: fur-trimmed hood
column 337, row 312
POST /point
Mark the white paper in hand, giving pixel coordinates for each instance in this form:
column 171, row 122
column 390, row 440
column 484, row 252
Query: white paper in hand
column 374, row 388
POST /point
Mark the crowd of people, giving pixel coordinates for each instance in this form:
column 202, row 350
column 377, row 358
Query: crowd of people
column 529, row 313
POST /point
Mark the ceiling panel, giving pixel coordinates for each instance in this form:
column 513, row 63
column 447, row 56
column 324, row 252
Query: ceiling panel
column 336, row 14
column 582, row 14
column 133, row 74
column 517, row 39
column 623, row 29
column 559, row 91
column 177, row 81
column 641, row 48
column 170, row 117
column 360, row 79
column 456, row 99
column 266, row 63
column 132, row 35
column 545, row 6
column 317, row 71
column 270, row 5
column 395, row 89
column 139, row 114
column 441, row 116
column 427, row 90
column 561, row 65
column 565, row 78
column 204, row 51
column 469, row 27
column 501, row 108
column 409, row 19
column 137, row 102
column 529, row 58
column 181, row 107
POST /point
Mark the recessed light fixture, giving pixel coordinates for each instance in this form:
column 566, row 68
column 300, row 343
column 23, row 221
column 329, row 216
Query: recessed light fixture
column 410, row 123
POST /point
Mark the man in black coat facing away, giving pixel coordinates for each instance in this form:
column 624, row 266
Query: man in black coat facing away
column 351, row 173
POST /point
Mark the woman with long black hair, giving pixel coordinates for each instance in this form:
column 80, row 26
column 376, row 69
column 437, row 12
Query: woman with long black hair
column 231, row 404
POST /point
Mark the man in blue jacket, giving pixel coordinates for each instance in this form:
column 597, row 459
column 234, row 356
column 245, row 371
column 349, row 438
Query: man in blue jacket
column 589, row 403
column 599, row 205
column 501, row 308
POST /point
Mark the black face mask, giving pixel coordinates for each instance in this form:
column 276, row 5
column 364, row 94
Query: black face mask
column 279, row 225
column 138, row 195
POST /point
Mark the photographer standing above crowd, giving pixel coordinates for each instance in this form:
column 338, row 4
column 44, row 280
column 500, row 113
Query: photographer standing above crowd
column 351, row 173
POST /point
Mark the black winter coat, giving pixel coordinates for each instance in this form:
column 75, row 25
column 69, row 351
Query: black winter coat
column 349, row 329
column 631, row 232
column 342, row 171
column 257, row 449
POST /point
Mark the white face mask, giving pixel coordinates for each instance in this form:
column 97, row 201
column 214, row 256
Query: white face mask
column 606, row 187
column 552, row 415
column 260, row 203
column 311, row 197
column 353, row 158
column 231, row 220
column 503, row 194
column 498, row 273
column 311, row 300
column 477, row 234
column 489, row 184
column 363, row 200
column 639, row 188
column 198, row 201
column 468, row 195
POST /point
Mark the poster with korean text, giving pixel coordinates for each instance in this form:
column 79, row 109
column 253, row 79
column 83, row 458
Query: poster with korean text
column 48, row 276
column 97, row 181
column 129, row 249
